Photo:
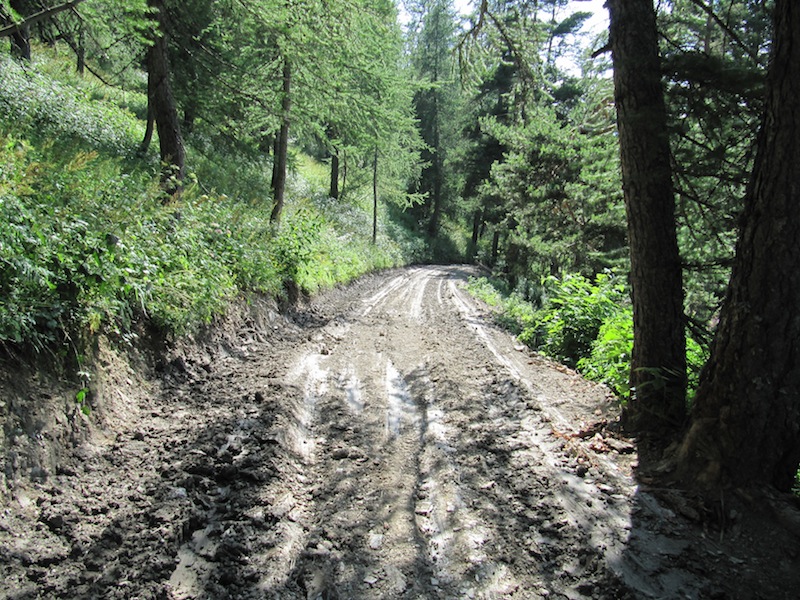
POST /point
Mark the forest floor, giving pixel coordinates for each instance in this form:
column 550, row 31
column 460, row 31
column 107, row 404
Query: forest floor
column 382, row 441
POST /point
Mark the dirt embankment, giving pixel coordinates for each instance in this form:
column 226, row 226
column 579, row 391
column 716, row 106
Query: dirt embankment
column 385, row 441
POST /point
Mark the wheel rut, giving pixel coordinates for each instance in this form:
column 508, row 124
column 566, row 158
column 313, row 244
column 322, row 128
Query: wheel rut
column 384, row 442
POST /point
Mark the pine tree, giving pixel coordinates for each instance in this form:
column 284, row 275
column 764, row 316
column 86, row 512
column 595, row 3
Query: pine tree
column 745, row 423
column 658, row 362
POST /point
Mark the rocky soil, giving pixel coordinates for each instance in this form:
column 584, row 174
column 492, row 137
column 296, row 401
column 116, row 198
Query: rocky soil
column 382, row 441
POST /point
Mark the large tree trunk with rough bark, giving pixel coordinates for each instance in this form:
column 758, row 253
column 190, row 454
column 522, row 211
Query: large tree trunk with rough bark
column 658, row 363
column 745, row 426
column 162, row 104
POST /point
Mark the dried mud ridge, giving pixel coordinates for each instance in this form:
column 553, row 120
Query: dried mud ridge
column 386, row 441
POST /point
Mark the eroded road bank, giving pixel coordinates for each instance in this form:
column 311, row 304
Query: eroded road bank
column 385, row 442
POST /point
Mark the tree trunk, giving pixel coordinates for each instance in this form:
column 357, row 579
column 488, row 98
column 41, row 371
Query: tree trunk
column 334, row 191
column 21, row 36
column 344, row 174
column 745, row 426
column 281, row 148
column 148, row 130
column 438, row 166
column 658, row 362
column 162, row 103
column 189, row 118
column 80, row 53
column 375, row 197
column 495, row 245
column 436, row 215
column 477, row 223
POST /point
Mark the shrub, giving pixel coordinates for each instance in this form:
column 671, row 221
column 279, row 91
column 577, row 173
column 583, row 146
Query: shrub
column 610, row 358
column 573, row 312
column 510, row 310
column 585, row 324
column 87, row 243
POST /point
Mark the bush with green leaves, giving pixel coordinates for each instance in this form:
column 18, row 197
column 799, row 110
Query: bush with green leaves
column 89, row 242
column 48, row 107
column 610, row 358
column 573, row 311
column 511, row 311
column 585, row 324
column 84, row 245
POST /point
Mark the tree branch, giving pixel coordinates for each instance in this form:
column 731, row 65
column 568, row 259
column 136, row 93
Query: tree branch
column 10, row 30
column 709, row 11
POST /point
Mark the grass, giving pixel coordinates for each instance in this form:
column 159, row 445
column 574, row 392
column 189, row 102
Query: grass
column 87, row 243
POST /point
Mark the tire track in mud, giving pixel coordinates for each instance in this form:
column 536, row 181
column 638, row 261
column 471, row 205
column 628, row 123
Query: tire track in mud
column 575, row 492
column 411, row 507
column 388, row 443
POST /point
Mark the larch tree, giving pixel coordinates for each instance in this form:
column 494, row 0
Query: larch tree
column 161, row 103
column 432, row 57
column 304, row 42
column 281, row 153
column 19, row 16
column 745, row 422
column 658, row 361
column 19, row 29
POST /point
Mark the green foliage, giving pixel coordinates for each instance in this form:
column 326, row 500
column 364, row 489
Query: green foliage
column 697, row 353
column 437, row 104
column 339, row 247
column 82, row 400
column 510, row 310
column 88, row 243
column 85, row 245
column 561, row 197
column 585, row 324
column 49, row 108
column 573, row 312
column 610, row 359
column 715, row 78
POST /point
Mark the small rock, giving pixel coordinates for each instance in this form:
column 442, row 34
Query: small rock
column 396, row 581
column 424, row 508
column 54, row 522
column 585, row 588
column 620, row 446
column 340, row 453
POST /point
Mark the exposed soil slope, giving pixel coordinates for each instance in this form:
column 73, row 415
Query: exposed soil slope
column 385, row 441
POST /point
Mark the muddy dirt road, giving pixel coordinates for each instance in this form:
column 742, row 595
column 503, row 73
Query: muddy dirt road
column 386, row 441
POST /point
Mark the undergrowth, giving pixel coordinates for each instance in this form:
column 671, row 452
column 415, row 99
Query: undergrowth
column 88, row 243
column 585, row 324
